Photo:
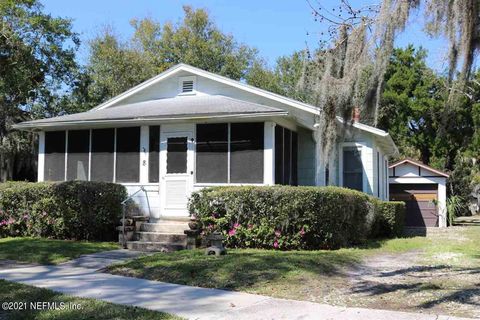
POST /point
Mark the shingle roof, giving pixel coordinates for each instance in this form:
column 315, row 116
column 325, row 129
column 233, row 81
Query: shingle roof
column 177, row 107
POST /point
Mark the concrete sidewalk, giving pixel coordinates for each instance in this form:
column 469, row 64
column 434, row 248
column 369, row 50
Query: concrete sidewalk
column 186, row 301
column 101, row 260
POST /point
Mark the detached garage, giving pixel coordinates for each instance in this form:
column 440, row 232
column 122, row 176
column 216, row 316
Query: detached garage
column 423, row 190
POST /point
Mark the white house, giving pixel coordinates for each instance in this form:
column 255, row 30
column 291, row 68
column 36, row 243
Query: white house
column 187, row 129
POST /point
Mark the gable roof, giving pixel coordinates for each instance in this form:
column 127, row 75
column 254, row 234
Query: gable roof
column 186, row 107
column 147, row 111
column 384, row 137
column 420, row 164
column 212, row 76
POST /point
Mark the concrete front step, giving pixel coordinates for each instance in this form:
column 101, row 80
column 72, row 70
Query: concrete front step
column 165, row 227
column 151, row 246
column 161, row 237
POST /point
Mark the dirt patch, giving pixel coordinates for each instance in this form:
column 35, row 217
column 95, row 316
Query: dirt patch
column 400, row 282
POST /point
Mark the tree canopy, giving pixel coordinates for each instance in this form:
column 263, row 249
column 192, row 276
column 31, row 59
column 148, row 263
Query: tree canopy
column 37, row 58
column 115, row 65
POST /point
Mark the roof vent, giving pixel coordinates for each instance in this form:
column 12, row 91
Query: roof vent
column 187, row 85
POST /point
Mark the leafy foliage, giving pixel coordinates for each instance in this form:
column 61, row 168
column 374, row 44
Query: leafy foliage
column 415, row 111
column 389, row 219
column 37, row 59
column 69, row 210
column 115, row 66
column 284, row 217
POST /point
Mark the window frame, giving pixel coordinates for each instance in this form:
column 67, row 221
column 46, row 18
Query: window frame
column 212, row 184
column 360, row 147
column 116, row 163
column 46, row 152
column 196, row 182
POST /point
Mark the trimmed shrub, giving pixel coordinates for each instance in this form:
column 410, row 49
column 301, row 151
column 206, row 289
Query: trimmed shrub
column 389, row 219
column 286, row 217
column 81, row 210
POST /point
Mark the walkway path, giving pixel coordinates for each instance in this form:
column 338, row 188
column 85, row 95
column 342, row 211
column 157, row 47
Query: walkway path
column 82, row 278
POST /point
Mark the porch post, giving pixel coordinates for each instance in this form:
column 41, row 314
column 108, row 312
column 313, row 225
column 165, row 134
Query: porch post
column 41, row 157
column 269, row 153
column 144, row 149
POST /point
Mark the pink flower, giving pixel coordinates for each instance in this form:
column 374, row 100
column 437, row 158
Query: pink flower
column 275, row 244
column 25, row 216
column 302, row 232
column 232, row 232
column 250, row 226
column 278, row 233
column 236, row 225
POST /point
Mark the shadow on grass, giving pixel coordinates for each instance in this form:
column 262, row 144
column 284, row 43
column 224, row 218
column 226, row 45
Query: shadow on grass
column 239, row 269
column 47, row 251
column 467, row 295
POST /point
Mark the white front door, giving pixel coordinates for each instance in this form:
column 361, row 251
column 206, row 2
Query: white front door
column 176, row 172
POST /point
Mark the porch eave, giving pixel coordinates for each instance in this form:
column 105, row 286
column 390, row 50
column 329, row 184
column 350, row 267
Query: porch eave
column 44, row 126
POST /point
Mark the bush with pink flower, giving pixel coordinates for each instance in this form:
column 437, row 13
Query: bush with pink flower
column 288, row 218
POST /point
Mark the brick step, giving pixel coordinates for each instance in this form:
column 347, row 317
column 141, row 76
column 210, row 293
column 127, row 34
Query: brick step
column 151, row 246
column 166, row 227
column 175, row 238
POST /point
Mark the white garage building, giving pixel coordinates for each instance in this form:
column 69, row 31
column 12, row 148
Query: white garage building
column 423, row 189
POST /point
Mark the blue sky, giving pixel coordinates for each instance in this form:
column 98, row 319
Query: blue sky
column 274, row 27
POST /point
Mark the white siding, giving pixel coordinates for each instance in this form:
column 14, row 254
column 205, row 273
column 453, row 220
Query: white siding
column 41, row 157
column 269, row 153
column 374, row 181
column 406, row 170
column 144, row 149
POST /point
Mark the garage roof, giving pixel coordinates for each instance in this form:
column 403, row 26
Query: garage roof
column 420, row 164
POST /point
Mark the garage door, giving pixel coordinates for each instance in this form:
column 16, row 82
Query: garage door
column 420, row 203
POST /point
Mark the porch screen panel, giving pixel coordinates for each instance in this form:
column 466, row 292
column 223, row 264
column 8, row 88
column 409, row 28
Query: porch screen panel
column 287, row 156
column 286, row 153
column 78, row 149
column 212, row 153
column 294, row 169
column 352, row 168
column 128, row 155
column 246, row 152
column 153, row 155
column 54, row 169
column 177, row 149
column 278, row 154
column 103, row 141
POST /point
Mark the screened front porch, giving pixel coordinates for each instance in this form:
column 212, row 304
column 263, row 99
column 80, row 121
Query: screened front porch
column 172, row 160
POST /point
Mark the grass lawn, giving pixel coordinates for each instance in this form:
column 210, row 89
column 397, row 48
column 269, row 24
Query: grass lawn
column 439, row 271
column 86, row 308
column 47, row 251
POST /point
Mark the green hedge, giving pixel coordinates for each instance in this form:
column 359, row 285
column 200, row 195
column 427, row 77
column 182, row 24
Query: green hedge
column 390, row 219
column 285, row 217
column 78, row 210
